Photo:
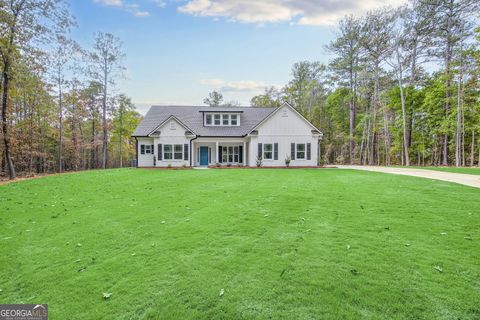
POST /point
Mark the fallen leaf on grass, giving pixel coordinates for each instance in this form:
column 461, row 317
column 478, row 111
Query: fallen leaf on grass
column 348, row 247
column 407, row 244
column 134, row 254
column 106, row 295
column 438, row 268
column 468, row 238
column 443, row 233
column 163, row 222
column 222, row 292
column 79, row 244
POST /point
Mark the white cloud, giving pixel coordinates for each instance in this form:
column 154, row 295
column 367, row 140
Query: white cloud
column 304, row 12
column 141, row 13
column 235, row 86
column 244, row 86
column 133, row 8
column 159, row 3
column 212, row 82
column 113, row 3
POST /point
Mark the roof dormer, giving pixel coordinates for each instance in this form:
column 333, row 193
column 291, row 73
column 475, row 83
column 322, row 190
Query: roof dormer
column 221, row 119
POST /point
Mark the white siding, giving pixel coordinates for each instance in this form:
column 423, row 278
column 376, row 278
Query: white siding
column 171, row 132
column 145, row 160
column 284, row 127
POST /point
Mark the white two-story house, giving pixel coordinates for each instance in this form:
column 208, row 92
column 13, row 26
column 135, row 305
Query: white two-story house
column 208, row 136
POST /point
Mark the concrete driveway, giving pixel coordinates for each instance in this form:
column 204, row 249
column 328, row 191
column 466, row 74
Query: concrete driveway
column 465, row 179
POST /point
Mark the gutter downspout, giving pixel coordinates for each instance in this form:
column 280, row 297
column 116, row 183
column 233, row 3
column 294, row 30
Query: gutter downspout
column 320, row 138
column 191, row 150
column 136, row 152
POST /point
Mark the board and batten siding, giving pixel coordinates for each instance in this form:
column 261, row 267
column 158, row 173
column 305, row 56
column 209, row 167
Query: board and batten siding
column 284, row 127
column 145, row 160
column 171, row 133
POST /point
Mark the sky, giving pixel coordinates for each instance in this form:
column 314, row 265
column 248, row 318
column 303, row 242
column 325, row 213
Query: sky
column 177, row 51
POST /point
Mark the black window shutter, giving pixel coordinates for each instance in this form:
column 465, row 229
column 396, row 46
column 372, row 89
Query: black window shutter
column 185, row 151
column 142, row 149
column 309, row 151
column 220, row 154
column 160, row 152
column 209, row 155
column 260, row 155
column 292, row 151
column 275, row 151
column 151, row 149
column 240, row 154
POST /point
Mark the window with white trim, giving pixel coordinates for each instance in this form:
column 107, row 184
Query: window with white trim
column 146, row 149
column 221, row 119
column 301, row 151
column 167, row 152
column 178, row 152
column 173, row 151
column 217, row 118
column 268, row 151
column 225, row 119
column 230, row 154
column 233, row 119
column 208, row 119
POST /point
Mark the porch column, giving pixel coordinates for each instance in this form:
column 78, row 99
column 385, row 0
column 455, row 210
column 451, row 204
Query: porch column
column 244, row 155
column 216, row 153
column 193, row 156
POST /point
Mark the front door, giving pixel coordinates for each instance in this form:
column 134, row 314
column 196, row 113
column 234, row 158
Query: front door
column 204, row 156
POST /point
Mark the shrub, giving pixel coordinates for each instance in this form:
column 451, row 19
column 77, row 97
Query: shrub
column 259, row 161
column 287, row 161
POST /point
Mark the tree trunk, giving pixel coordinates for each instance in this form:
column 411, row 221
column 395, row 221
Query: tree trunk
column 371, row 160
column 121, row 137
column 472, row 150
column 6, row 139
column 352, row 119
column 104, row 118
column 448, row 59
column 60, row 127
column 404, row 112
column 92, row 150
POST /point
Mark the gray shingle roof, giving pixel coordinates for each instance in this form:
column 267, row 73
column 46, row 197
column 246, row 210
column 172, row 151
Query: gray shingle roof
column 192, row 117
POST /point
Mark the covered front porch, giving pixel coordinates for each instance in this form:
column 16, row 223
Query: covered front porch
column 223, row 151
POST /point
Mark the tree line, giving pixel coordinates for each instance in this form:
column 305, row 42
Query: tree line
column 59, row 109
column 402, row 87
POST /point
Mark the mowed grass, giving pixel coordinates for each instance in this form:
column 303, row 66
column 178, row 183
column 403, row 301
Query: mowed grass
column 454, row 169
column 282, row 244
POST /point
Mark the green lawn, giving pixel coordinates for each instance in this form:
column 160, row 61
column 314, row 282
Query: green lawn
column 469, row 170
column 283, row 244
column 453, row 169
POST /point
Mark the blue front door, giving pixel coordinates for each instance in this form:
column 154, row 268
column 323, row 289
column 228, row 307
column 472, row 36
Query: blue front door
column 204, row 156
